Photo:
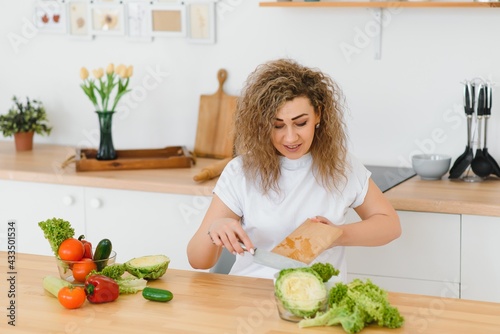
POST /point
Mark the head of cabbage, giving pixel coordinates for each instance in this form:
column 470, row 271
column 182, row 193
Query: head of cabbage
column 301, row 291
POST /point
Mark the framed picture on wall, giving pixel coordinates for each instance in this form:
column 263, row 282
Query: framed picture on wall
column 50, row 16
column 107, row 19
column 139, row 21
column 79, row 19
column 168, row 20
column 201, row 22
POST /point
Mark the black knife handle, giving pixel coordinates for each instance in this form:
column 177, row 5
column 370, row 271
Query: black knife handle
column 488, row 100
column 480, row 100
column 469, row 98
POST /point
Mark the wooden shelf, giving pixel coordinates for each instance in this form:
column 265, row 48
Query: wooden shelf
column 378, row 7
column 380, row 4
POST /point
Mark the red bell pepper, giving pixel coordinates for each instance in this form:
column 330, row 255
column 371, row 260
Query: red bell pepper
column 101, row 289
column 87, row 247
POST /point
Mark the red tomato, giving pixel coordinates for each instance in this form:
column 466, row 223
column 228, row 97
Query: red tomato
column 71, row 249
column 82, row 268
column 71, row 297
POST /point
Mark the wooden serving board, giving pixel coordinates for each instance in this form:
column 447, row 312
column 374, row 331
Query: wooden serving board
column 214, row 137
column 307, row 241
column 168, row 157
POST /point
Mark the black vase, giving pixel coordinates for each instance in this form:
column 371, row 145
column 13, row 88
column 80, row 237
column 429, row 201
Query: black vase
column 106, row 149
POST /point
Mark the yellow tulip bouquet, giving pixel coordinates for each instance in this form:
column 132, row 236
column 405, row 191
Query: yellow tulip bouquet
column 100, row 88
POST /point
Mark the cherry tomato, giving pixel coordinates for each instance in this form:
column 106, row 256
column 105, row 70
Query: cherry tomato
column 82, row 268
column 71, row 297
column 71, row 249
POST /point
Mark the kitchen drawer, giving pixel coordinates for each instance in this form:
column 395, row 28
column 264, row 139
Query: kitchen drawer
column 481, row 258
column 428, row 249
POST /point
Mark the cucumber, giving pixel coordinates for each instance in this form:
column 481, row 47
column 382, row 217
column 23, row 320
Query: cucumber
column 53, row 284
column 102, row 252
column 157, row 295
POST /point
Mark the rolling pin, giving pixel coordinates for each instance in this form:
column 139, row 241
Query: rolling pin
column 211, row 171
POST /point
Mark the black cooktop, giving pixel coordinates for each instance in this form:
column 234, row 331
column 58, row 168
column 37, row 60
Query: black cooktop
column 388, row 177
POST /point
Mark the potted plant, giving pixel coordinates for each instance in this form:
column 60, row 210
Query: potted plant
column 23, row 121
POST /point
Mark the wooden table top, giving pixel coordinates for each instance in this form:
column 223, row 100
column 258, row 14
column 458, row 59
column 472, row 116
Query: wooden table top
column 43, row 164
column 448, row 196
column 208, row 303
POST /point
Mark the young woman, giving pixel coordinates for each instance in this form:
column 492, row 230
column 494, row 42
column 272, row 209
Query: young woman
column 292, row 164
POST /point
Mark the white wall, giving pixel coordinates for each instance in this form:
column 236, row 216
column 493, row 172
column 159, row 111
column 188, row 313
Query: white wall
column 395, row 103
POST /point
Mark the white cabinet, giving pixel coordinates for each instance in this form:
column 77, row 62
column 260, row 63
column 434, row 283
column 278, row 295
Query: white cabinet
column 137, row 223
column 481, row 258
column 29, row 203
column 406, row 285
column 143, row 223
column 424, row 260
column 444, row 255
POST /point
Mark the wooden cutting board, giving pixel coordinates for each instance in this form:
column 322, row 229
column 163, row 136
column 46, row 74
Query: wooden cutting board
column 307, row 241
column 214, row 137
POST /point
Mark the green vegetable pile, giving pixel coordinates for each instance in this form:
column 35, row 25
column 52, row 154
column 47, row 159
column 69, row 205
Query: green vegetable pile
column 56, row 230
column 325, row 270
column 355, row 305
column 126, row 284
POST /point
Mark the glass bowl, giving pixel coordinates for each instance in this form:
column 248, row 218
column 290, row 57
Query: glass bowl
column 66, row 268
column 295, row 314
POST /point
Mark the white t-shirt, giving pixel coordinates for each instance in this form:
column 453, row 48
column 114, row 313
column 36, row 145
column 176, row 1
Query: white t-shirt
column 268, row 219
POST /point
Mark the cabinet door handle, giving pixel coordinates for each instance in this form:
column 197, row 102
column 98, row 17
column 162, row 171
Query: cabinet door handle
column 68, row 200
column 95, row 203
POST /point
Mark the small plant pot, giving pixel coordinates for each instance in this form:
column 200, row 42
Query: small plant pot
column 24, row 141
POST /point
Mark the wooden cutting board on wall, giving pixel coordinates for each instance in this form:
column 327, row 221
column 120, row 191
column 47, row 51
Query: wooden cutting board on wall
column 214, row 137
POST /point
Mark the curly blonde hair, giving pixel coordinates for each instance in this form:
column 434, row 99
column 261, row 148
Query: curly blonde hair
column 267, row 89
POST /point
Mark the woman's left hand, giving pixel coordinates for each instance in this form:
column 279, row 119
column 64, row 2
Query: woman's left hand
column 323, row 220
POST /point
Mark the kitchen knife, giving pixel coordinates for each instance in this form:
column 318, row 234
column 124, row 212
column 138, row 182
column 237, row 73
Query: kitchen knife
column 273, row 260
column 276, row 261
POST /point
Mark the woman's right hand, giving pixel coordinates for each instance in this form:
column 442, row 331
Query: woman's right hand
column 220, row 227
column 228, row 233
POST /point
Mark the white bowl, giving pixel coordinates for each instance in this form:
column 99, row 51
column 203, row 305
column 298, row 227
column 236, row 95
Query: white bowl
column 431, row 166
